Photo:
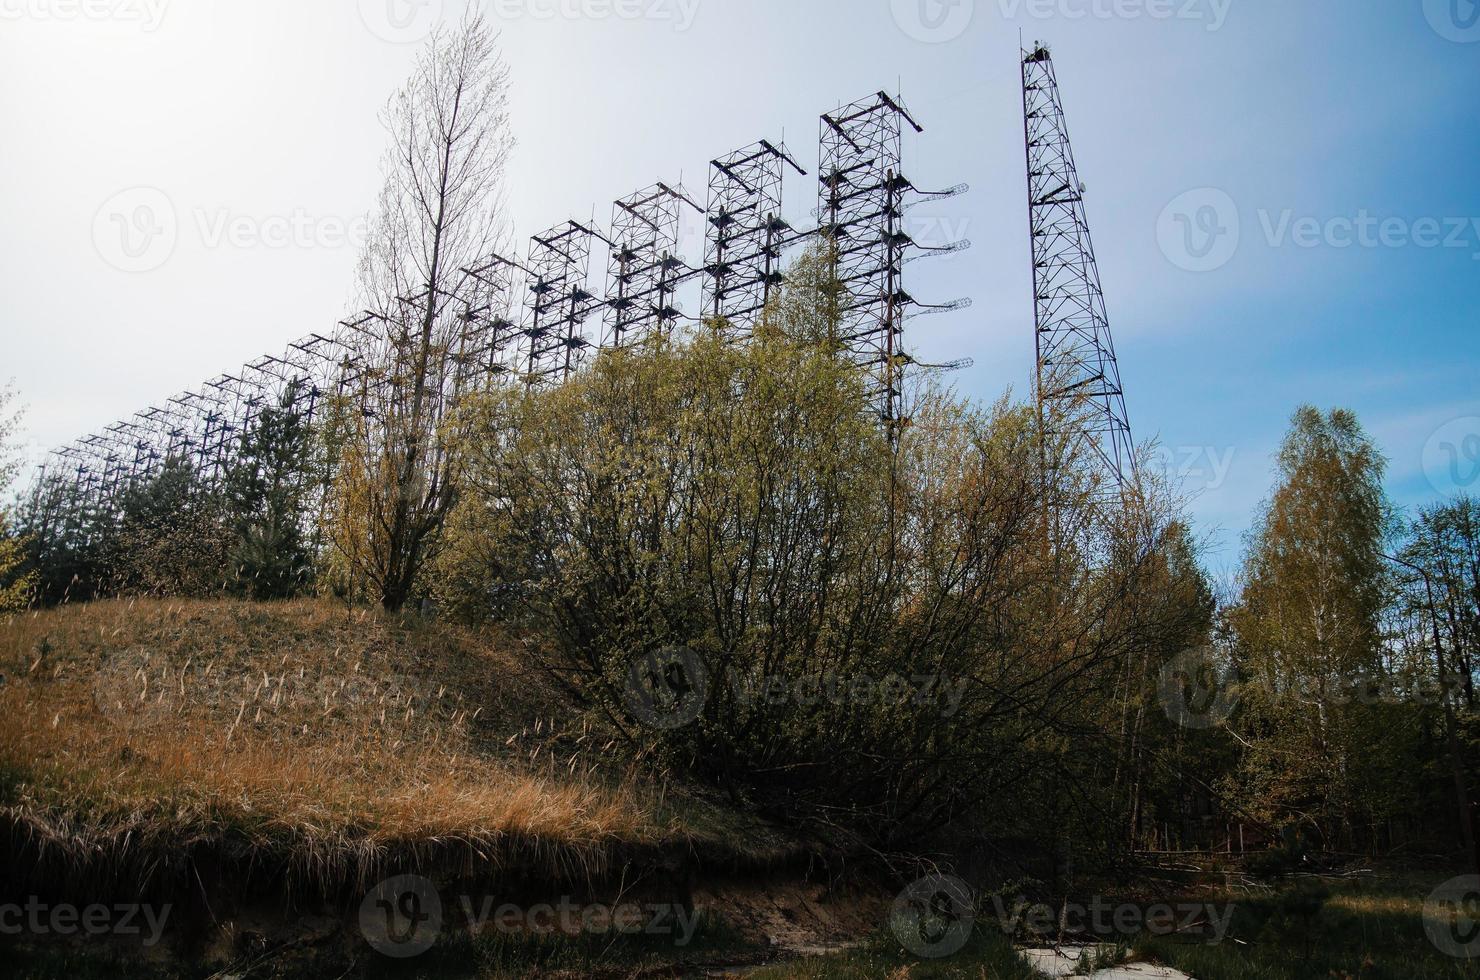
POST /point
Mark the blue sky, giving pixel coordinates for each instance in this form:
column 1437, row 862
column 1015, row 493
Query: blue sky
column 1293, row 123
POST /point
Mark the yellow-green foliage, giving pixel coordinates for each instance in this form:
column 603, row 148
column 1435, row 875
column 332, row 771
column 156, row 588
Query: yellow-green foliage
column 744, row 501
column 1308, row 627
column 15, row 584
column 15, row 587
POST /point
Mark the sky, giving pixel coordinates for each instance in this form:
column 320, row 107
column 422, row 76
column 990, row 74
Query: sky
column 1282, row 196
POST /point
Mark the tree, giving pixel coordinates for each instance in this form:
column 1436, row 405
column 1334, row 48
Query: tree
column 441, row 212
column 267, row 491
column 16, row 584
column 172, row 536
column 740, row 502
column 1309, row 632
column 1444, row 541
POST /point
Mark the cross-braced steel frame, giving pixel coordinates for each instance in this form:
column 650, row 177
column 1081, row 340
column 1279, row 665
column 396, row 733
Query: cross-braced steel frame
column 1078, row 378
column 560, row 302
column 645, row 269
column 746, row 234
column 862, row 199
column 543, row 338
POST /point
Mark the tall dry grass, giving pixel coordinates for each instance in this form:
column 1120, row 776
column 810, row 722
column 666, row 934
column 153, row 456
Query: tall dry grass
column 333, row 745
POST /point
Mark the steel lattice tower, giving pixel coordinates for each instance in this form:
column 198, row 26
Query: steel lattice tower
column 529, row 319
column 1078, row 380
column 863, row 196
column 492, row 326
column 559, row 302
column 746, row 233
column 645, row 269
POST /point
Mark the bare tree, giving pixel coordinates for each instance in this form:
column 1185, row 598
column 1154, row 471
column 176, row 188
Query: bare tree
column 441, row 210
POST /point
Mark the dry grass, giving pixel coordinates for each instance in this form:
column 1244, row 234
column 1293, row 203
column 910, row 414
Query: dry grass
column 332, row 746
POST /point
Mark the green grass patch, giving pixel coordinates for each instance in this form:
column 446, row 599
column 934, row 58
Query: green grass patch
column 1363, row 932
column 984, row 955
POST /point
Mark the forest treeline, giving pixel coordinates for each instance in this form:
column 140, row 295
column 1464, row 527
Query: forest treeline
column 1033, row 664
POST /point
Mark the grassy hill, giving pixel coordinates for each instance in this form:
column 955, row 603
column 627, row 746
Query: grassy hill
column 220, row 754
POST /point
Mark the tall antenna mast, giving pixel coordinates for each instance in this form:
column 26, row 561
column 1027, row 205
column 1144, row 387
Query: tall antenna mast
column 1078, row 380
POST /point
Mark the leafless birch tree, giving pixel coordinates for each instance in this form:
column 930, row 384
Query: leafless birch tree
column 440, row 212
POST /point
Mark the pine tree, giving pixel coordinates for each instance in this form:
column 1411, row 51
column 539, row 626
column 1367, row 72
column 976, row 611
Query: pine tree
column 267, row 501
column 171, row 537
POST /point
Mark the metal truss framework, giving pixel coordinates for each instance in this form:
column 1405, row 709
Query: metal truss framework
column 746, row 234
column 864, row 194
column 543, row 338
column 1078, row 379
column 645, row 270
column 560, row 302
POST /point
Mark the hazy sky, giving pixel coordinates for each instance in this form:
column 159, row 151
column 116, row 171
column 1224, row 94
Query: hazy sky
column 1283, row 195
